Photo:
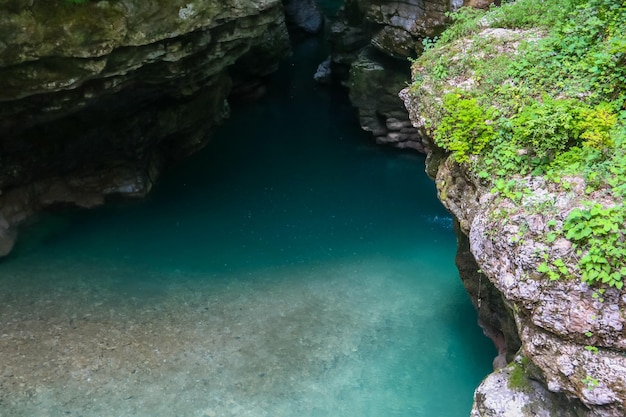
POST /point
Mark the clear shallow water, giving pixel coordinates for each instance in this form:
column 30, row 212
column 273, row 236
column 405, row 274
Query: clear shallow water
column 289, row 269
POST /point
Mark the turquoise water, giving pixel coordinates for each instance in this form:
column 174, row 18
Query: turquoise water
column 291, row 268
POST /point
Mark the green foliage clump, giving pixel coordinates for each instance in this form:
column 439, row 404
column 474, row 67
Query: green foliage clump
column 466, row 128
column 464, row 23
column 554, row 105
column 518, row 379
column 529, row 14
column 547, row 127
column 523, row 14
column 552, row 126
column 555, row 270
column 564, row 90
column 595, row 126
column 598, row 235
column 583, row 56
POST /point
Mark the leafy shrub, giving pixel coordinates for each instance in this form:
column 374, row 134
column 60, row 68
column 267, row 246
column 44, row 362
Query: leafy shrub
column 597, row 233
column 556, row 107
column 546, row 127
column 595, row 126
column 466, row 128
column 552, row 126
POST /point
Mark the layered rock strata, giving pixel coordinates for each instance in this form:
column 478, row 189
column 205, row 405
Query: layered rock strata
column 96, row 98
column 374, row 82
column 371, row 44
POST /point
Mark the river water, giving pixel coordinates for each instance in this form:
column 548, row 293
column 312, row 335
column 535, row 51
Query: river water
column 291, row 268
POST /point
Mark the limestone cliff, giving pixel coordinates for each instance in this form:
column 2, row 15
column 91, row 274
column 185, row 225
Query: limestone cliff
column 556, row 321
column 96, row 97
column 564, row 340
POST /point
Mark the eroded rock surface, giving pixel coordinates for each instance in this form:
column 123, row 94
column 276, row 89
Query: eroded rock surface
column 573, row 337
column 375, row 80
column 96, row 98
column 510, row 392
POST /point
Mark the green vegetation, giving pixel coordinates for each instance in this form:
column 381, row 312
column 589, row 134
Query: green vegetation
column 598, row 230
column 590, row 382
column 546, row 99
column 465, row 128
column 518, row 380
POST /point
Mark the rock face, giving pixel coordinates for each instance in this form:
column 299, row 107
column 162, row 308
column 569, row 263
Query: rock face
column 571, row 337
column 371, row 43
column 558, row 322
column 96, row 98
column 400, row 26
column 374, row 82
column 510, row 392
column 303, row 15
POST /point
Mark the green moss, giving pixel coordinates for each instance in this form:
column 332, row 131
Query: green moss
column 466, row 127
column 78, row 24
column 518, row 379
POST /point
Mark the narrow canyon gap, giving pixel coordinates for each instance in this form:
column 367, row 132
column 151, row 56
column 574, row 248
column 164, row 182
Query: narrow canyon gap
column 291, row 268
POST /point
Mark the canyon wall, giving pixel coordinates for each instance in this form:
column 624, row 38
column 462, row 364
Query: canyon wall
column 560, row 343
column 572, row 358
column 95, row 98
column 372, row 42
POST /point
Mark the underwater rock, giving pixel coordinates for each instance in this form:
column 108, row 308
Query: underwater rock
column 7, row 237
column 323, row 74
